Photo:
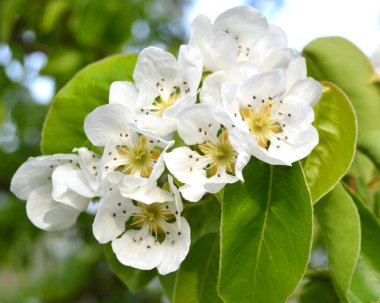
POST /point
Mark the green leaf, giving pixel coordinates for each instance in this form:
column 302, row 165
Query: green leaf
column 341, row 62
column 365, row 286
column 266, row 234
column 203, row 217
column 63, row 129
column 196, row 280
column 369, row 145
column 167, row 283
column 339, row 221
column 318, row 290
column 134, row 279
column 336, row 123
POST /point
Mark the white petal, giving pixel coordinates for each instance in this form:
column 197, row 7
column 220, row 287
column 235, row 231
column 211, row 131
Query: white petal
column 184, row 102
column 217, row 182
column 260, row 153
column 161, row 126
column 147, row 194
column 218, row 49
column 238, row 143
column 210, row 91
column 145, row 254
column 296, row 71
column 159, row 167
column 290, row 153
column 200, row 31
column 243, row 22
column 107, row 122
column 176, row 248
column 87, row 158
column 190, row 60
column 262, row 86
column 36, row 172
column 221, row 53
column 309, row 89
column 198, row 123
column 124, row 93
column 278, row 59
column 231, row 105
column 182, row 163
column 192, row 193
column 82, row 185
column 47, row 214
column 177, row 204
column 297, row 116
column 271, row 40
column 241, row 162
column 110, row 218
column 61, row 191
column 28, row 177
column 157, row 66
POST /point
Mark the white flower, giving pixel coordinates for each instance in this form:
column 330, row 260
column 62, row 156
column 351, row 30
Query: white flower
column 132, row 155
column 275, row 125
column 56, row 189
column 144, row 236
column 163, row 86
column 211, row 161
column 240, row 34
column 297, row 82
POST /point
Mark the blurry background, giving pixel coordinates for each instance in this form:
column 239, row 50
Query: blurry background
column 42, row 45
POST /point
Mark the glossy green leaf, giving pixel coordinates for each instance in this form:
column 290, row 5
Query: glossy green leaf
column 266, row 234
column 369, row 144
column 339, row 221
column 336, row 123
column 134, row 279
column 196, row 280
column 365, row 285
column 63, row 129
column 341, row 62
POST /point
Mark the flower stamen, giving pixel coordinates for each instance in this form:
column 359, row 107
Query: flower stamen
column 261, row 123
column 221, row 155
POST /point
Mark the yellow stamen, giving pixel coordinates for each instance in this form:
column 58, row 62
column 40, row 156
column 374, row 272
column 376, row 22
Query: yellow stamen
column 152, row 215
column 261, row 124
column 140, row 158
column 222, row 154
column 162, row 105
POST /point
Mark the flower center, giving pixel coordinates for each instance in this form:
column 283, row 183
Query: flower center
column 261, row 123
column 154, row 215
column 161, row 105
column 221, row 153
column 140, row 158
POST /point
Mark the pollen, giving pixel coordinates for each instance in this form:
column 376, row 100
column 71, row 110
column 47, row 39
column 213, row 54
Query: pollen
column 154, row 215
column 221, row 154
column 139, row 158
column 261, row 123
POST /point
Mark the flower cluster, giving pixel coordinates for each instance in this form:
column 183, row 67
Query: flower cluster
column 185, row 127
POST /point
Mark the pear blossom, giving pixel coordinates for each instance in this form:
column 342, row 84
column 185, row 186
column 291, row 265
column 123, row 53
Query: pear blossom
column 132, row 155
column 57, row 188
column 211, row 160
column 163, row 86
column 144, row 236
column 275, row 125
column 240, row 34
column 297, row 82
